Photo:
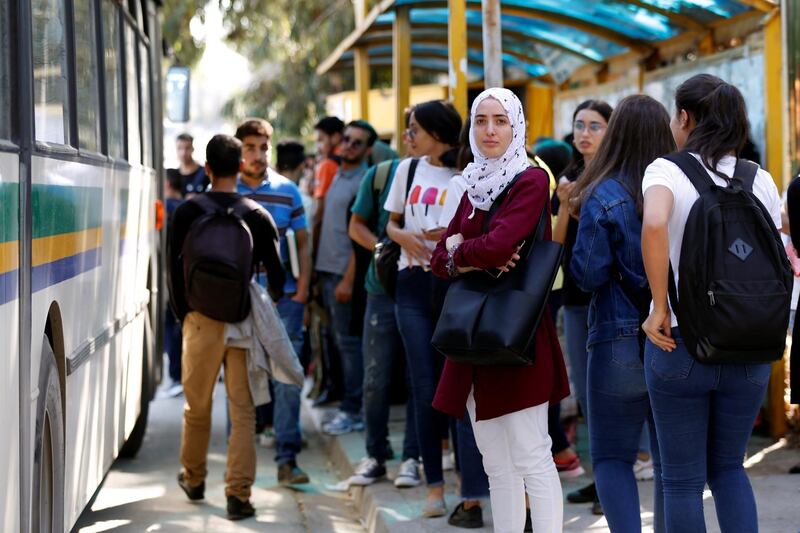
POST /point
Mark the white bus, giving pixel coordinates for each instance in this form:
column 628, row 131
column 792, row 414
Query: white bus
column 80, row 145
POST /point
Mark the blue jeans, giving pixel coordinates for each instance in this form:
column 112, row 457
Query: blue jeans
column 381, row 345
column 474, row 482
column 576, row 331
column 349, row 345
column 418, row 294
column 618, row 407
column 704, row 416
column 173, row 340
column 286, row 417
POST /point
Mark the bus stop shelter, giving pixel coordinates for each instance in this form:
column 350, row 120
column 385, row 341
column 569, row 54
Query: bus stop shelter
column 556, row 53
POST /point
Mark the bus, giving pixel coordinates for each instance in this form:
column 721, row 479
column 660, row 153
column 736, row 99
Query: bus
column 80, row 267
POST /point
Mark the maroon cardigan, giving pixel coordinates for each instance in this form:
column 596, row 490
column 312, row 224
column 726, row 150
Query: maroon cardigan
column 500, row 390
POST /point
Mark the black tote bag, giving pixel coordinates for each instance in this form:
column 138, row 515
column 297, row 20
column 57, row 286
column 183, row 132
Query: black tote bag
column 493, row 321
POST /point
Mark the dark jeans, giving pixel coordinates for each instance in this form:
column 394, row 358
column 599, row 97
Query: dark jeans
column 704, row 416
column 419, row 295
column 173, row 340
column 555, row 429
column 474, row 482
column 349, row 345
column 618, row 406
column 381, row 345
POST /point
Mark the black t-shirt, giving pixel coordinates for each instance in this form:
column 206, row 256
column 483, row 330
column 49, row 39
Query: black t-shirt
column 571, row 294
column 265, row 247
column 193, row 183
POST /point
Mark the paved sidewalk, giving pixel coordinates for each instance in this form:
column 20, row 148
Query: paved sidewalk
column 385, row 509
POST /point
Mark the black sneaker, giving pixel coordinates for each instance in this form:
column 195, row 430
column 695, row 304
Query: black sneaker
column 291, row 474
column 471, row 518
column 368, row 472
column 587, row 494
column 597, row 508
column 238, row 509
column 193, row 493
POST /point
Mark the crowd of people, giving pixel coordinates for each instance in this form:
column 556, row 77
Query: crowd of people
column 365, row 257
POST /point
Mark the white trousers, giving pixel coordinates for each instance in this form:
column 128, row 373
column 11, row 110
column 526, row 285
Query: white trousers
column 517, row 458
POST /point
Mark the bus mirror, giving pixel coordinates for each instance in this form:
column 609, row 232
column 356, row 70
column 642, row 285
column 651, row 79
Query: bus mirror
column 178, row 82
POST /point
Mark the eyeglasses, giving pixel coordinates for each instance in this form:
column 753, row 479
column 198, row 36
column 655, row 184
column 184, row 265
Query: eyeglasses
column 411, row 133
column 594, row 127
column 355, row 143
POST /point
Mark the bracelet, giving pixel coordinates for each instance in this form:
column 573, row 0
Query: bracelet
column 452, row 269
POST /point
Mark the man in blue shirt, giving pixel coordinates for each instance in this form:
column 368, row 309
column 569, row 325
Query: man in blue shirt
column 281, row 197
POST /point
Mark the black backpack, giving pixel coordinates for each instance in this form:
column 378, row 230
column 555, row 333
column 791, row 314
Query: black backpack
column 735, row 285
column 218, row 260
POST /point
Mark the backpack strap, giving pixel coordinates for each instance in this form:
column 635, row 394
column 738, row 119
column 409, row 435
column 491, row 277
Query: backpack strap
column 745, row 172
column 381, row 176
column 206, row 203
column 412, row 170
column 695, row 171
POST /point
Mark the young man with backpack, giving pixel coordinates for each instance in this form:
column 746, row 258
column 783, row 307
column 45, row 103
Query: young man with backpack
column 214, row 243
column 282, row 199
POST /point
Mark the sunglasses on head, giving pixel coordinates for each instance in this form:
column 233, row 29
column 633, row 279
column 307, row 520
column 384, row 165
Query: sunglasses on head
column 355, row 143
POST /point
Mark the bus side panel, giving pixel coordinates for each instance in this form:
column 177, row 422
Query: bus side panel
column 9, row 340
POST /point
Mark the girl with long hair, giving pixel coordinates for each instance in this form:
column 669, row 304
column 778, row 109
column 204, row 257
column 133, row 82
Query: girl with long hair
column 607, row 262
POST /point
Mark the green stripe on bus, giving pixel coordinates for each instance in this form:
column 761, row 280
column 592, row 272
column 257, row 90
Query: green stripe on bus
column 9, row 212
column 58, row 209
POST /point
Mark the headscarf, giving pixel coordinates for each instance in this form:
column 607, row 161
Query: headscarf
column 486, row 177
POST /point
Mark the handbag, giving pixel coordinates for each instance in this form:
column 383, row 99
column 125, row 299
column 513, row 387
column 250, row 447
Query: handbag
column 493, row 321
column 387, row 252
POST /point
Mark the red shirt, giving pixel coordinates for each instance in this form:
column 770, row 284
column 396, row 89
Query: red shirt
column 500, row 390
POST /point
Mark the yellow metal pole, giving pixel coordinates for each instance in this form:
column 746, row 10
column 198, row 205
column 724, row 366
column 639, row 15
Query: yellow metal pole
column 774, row 77
column 457, row 54
column 401, row 71
column 362, row 81
column 540, row 102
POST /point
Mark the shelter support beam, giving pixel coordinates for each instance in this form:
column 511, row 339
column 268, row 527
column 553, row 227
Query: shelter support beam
column 775, row 154
column 540, row 100
column 401, row 71
column 457, row 55
column 492, row 44
column 361, row 66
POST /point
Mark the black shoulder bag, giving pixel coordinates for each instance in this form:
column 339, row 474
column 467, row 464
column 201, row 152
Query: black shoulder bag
column 493, row 321
column 387, row 252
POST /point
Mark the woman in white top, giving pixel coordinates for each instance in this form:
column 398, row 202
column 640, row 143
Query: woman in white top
column 414, row 225
column 703, row 413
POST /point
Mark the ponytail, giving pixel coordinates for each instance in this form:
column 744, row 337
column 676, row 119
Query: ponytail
column 720, row 116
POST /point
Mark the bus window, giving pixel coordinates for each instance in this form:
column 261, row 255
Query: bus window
column 49, row 71
column 113, row 79
column 86, row 74
column 5, row 85
column 132, row 98
column 147, row 128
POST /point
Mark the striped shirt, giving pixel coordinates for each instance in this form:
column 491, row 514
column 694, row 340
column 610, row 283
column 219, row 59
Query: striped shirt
column 281, row 197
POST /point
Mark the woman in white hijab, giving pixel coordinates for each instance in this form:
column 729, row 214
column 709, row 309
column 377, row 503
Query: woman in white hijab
column 507, row 404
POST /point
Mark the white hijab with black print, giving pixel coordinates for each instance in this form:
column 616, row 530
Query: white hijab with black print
column 486, row 177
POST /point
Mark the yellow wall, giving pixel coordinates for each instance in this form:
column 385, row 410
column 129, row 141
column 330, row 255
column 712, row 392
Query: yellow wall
column 381, row 105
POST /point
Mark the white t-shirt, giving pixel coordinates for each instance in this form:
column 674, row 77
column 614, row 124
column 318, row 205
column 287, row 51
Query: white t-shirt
column 666, row 173
column 455, row 191
column 423, row 207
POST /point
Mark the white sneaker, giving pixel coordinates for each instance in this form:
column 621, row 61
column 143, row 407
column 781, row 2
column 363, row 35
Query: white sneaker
column 367, row 472
column 643, row 470
column 266, row 439
column 448, row 461
column 408, row 474
column 173, row 391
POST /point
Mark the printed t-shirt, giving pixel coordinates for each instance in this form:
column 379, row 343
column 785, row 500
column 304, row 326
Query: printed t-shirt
column 423, row 208
column 666, row 173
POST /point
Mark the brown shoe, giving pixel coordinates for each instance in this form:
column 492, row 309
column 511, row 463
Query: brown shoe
column 238, row 509
column 291, row 474
column 193, row 493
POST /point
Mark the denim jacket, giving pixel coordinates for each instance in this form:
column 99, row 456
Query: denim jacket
column 608, row 248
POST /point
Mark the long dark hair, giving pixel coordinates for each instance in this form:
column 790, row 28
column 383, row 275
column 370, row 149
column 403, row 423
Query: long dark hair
column 465, row 156
column 720, row 117
column 638, row 133
column 440, row 119
column 576, row 167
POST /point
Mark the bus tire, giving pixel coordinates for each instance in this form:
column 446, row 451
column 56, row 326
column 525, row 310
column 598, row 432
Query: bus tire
column 48, row 459
column 136, row 438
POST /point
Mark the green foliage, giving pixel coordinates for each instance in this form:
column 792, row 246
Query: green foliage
column 177, row 15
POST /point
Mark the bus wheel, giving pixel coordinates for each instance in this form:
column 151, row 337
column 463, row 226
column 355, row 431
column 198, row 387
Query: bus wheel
column 48, row 459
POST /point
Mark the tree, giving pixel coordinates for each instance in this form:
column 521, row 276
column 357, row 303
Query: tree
column 178, row 15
